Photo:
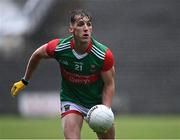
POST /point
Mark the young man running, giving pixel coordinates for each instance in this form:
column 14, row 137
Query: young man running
column 87, row 73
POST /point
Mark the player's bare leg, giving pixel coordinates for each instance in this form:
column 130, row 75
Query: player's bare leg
column 72, row 124
column 108, row 135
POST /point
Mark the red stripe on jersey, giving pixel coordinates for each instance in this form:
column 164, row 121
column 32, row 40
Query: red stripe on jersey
column 71, row 111
column 51, row 46
column 108, row 61
column 79, row 79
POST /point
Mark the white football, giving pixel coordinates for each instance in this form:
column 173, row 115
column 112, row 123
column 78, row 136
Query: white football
column 100, row 118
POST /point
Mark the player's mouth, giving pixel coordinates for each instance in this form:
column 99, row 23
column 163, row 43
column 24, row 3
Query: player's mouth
column 85, row 35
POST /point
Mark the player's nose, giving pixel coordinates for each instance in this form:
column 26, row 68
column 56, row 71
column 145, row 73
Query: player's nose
column 85, row 27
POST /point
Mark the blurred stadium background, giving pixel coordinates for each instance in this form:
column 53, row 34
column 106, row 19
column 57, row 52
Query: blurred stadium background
column 144, row 36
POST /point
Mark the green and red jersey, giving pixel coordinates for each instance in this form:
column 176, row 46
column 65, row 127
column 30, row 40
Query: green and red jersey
column 81, row 74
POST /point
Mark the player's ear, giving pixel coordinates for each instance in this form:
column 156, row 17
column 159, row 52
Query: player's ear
column 71, row 28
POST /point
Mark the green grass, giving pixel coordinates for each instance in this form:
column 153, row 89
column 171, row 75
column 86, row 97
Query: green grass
column 127, row 127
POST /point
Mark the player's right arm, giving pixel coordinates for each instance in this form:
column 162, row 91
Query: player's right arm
column 33, row 62
column 43, row 52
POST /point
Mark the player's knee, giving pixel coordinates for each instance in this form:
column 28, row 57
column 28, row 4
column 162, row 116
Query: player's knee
column 108, row 135
column 72, row 133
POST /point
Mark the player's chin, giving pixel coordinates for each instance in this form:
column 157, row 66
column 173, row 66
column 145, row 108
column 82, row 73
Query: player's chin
column 85, row 40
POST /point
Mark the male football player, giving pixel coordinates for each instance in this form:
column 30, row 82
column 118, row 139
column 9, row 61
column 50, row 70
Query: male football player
column 87, row 74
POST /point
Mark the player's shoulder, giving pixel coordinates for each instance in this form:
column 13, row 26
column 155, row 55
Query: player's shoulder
column 99, row 50
column 60, row 40
column 64, row 44
column 66, row 39
column 98, row 45
column 53, row 42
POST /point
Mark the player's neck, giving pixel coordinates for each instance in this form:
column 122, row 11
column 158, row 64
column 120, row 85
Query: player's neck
column 81, row 47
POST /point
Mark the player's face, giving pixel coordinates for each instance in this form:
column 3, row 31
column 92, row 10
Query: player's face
column 82, row 29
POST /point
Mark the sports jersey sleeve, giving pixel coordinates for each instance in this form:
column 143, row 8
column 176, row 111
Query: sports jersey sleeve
column 51, row 46
column 108, row 61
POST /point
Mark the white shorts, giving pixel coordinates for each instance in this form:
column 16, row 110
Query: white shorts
column 69, row 107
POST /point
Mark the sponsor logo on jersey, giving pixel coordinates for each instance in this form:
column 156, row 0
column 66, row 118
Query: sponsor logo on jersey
column 79, row 79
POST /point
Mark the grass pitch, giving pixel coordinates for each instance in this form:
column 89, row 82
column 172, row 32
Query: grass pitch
column 127, row 127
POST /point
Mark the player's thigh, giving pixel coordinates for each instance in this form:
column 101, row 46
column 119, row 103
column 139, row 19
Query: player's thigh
column 72, row 122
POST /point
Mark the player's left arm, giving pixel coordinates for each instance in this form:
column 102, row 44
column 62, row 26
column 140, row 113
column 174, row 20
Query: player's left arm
column 109, row 86
column 108, row 74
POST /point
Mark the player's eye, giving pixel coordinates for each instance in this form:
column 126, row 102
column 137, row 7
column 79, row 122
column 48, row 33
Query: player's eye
column 89, row 24
column 81, row 23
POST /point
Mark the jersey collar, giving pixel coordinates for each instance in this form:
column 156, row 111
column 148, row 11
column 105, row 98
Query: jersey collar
column 86, row 51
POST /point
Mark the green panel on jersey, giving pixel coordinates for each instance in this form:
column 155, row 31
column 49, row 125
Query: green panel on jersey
column 86, row 95
column 81, row 81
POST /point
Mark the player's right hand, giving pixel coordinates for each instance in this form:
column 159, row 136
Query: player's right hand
column 17, row 87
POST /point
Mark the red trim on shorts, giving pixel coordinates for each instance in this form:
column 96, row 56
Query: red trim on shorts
column 71, row 111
